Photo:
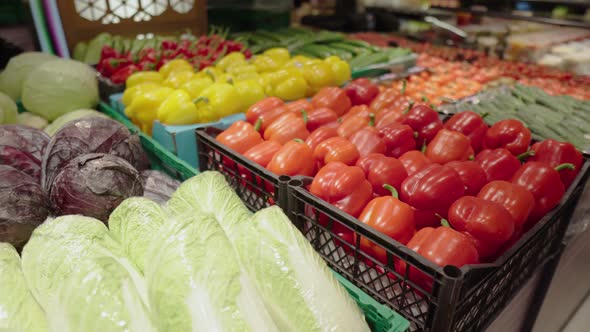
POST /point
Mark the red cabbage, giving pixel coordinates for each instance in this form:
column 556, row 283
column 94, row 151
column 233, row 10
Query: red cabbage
column 158, row 186
column 23, row 147
column 93, row 185
column 91, row 135
column 23, row 206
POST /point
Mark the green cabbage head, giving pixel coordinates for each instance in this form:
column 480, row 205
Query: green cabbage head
column 17, row 69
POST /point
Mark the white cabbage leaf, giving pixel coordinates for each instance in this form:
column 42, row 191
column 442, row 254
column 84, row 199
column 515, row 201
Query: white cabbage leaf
column 17, row 69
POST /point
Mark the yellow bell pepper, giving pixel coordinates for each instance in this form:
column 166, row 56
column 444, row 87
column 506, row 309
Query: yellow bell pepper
column 212, row 72
column 178, row 109
column 242, row 69
column 265, row 63
column 133, row 91
column 318, row 75
column 225, row 78
column 217, row 101
column 287, row 84
column 279, row 54
column 177, row 79
column 250, row 92
column 142, row 111
column 143, row 77
column 176, row 65
column 231, row 60
column 195, row 86
column 340, row 68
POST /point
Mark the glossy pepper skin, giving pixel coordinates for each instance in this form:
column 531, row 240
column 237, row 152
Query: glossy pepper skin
column 336, row 149
column 388, row 116
column 470, row 124
column 367, row 141
column 510, row 134
column 343, row 186
column 435, row 188
column 265, row 109
column 516, row 199
column 472, row 175
column 143, row 109
column 425, row 121
column 287, row 127
column 333, row 98
column 443, row 246
column 355, row 123
column 449, row 145
column 398, row 138
column 294, row 158
column 555, row 153
column 498, row 164
column 381, row 170
column 414, row 161
column 359, row 110
column 489, row 223
column 389, row 216
column 319, row 135
column 544, row 182
column 240, row 137
column 178, row 109
column 361, row 91
column 220, row 100
column 385, row 99
column 319, row 117
column 299, row 105
column 262, row 153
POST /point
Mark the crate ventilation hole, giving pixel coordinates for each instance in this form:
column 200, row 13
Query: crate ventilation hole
column 112, row 11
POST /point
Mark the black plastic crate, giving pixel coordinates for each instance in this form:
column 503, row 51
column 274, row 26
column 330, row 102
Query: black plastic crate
column 460, row 299
column 256, row 186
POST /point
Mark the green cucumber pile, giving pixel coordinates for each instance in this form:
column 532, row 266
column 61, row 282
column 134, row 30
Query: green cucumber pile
column 562, row 118
column 322, row 44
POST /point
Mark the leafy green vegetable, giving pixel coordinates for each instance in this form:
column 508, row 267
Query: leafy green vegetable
column 300, row 291
column 58, row 123
column 135, row 223
column 17, row 69
column 58, row 87
column 209, row 193
column 18, row 309
column 8, row 109
column 196, row 283
column 31, row 120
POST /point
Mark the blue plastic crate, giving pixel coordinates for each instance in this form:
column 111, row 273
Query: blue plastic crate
column 180, row 140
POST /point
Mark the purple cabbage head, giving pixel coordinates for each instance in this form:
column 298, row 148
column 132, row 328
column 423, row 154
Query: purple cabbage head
column 91, row 135
column 23, row 206
column 93, row 185
column 158, row 186
column 22, row 147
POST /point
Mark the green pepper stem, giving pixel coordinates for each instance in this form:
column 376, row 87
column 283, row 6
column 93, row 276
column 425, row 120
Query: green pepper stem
column 371, row 120
column 424, row 99
column 410, row 104
column 304, row 114
column 394, row 192
column 423, row 149
column 210, row 74
column 298, row 140
column 404, row 85
column 471, row 158
column 200, row 99
column 565, row 166
column 484, row 114
column 443, row 221
column 525, row 155
column 258, row 124
column 416, row 134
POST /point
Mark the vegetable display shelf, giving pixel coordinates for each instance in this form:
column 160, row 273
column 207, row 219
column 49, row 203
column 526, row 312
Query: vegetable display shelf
column 465, row 299
column 460, row 299
column 380, row 318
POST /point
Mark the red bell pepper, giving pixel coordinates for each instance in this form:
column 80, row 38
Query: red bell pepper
column 319, row 135
column 359, row 110
column 489, row 223
column 299, row 105
column 262, row 153
column 333, row 98
column 294, row 158
column 449, row 145
column 385, row 99
column 398, row 139
column 510, row 134
column 121, row 75
column 368, row 140
column 443, row 246
column 287, row 127
column 470, row 124
column 544, row 182
column 472, row 175
column 555, row 153
column 381, row 170
column 353, row 124
column 336, row 149
column 425, row 121
column 414, row 161
column 387, row 117
column 498, row 164
column 516, row 199
column 389, row 216
column 319, row 117
column 434, row 188
column 108, row 52
column 240, row 136
column 267, row 109
column 361, row 91
column 343, row 186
